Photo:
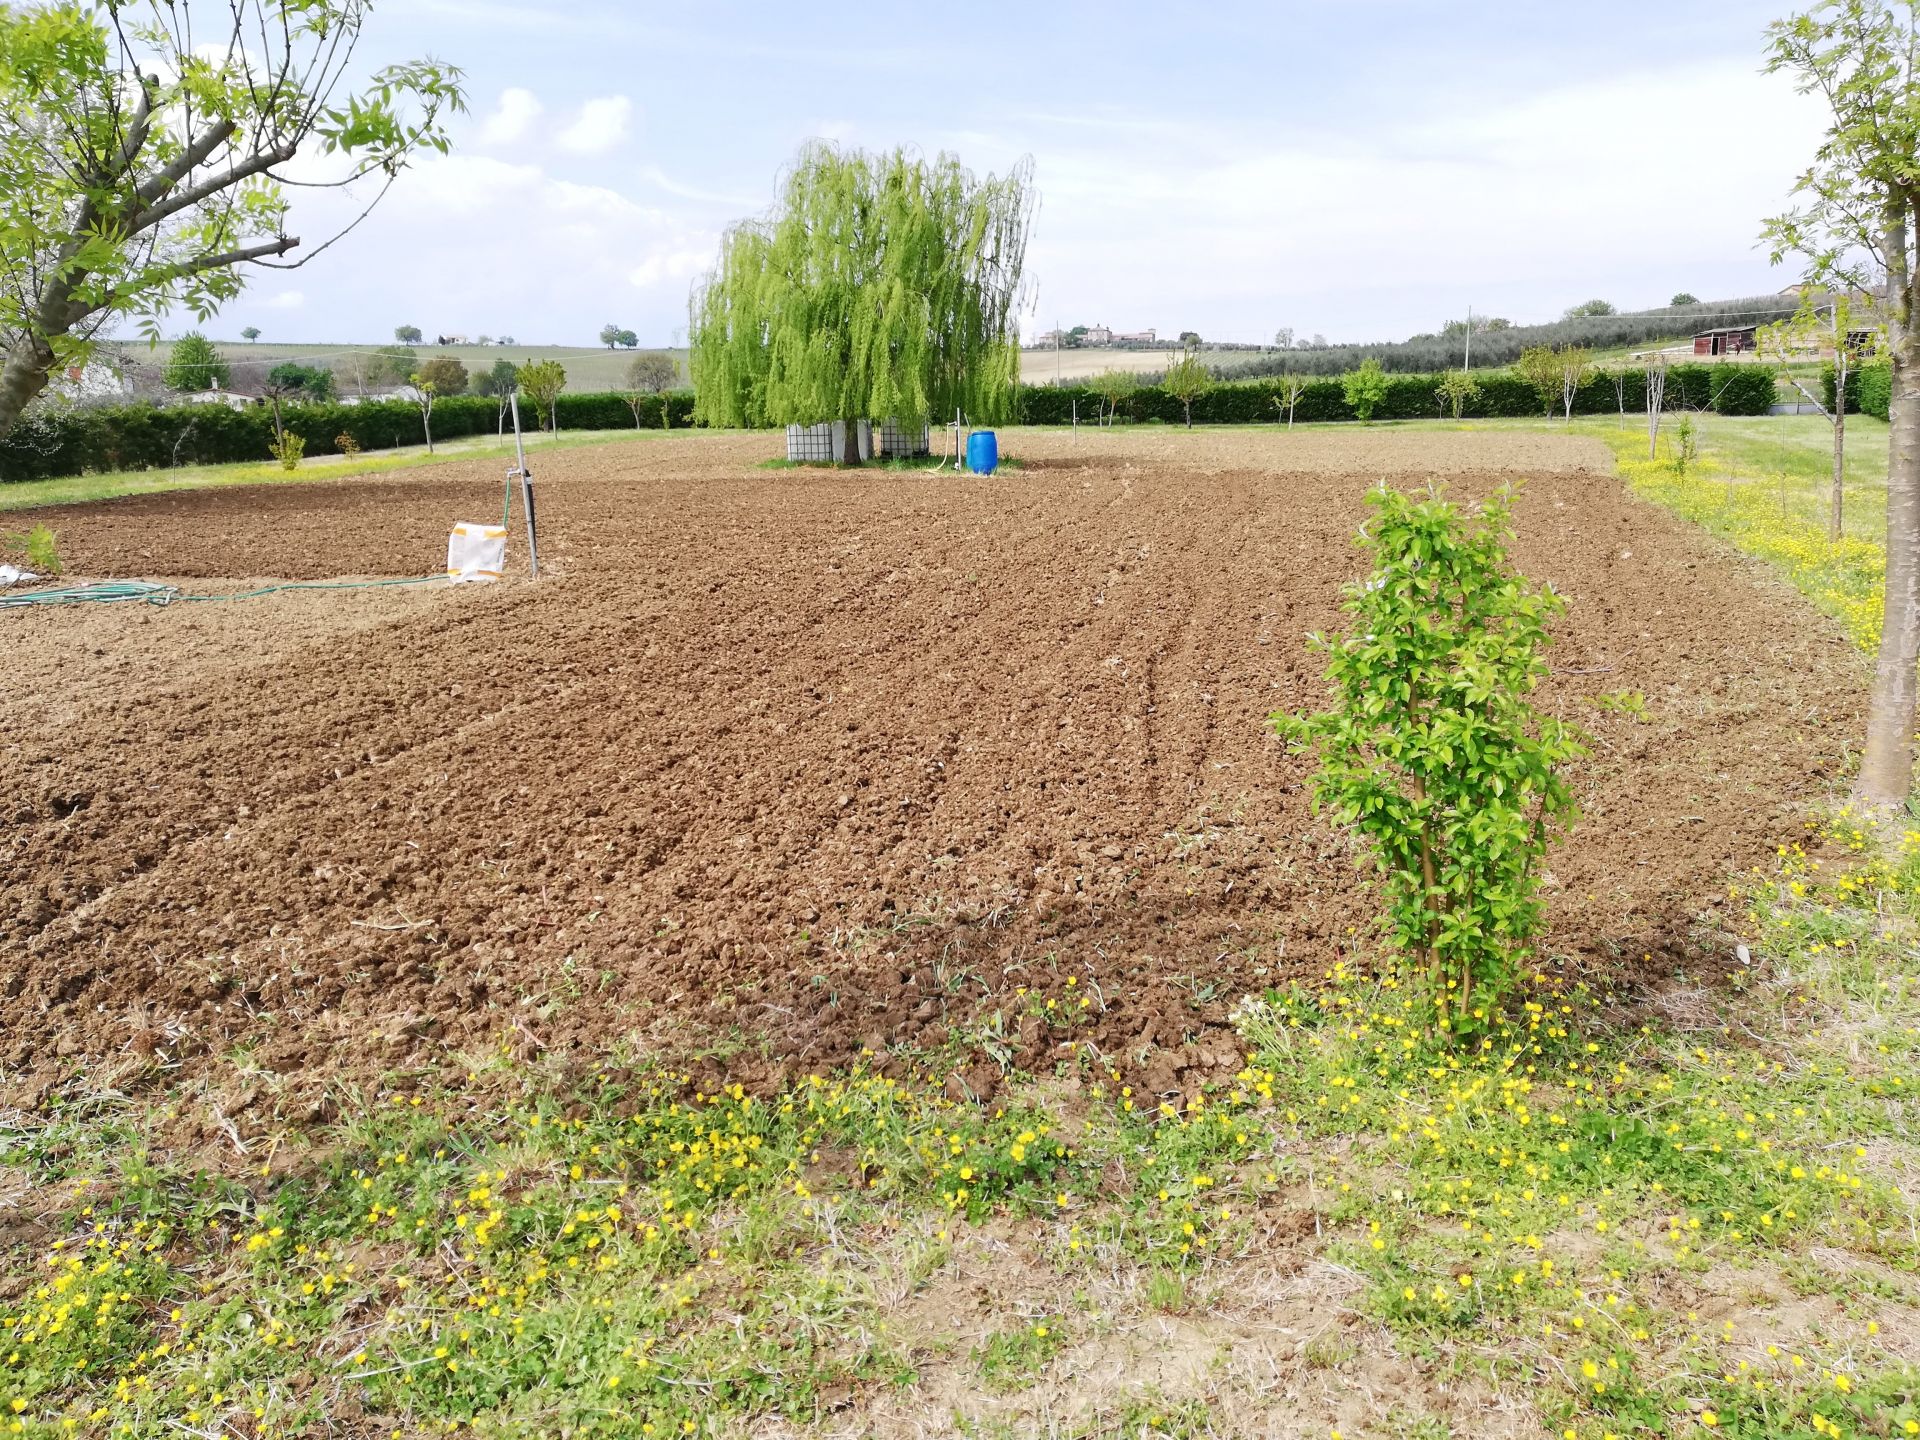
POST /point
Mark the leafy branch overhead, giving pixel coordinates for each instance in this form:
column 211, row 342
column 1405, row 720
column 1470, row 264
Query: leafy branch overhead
column 144, row 151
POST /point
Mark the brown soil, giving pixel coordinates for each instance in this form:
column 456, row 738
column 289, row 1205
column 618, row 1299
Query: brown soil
column 794, row 763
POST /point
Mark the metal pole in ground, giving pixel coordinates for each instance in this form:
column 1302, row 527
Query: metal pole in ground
column 526, row 487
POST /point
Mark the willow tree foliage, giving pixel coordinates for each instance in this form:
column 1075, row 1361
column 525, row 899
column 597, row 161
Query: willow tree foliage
column 880, row 286
column 142, row 145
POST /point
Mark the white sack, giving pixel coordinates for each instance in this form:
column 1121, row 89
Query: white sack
column 476, row 553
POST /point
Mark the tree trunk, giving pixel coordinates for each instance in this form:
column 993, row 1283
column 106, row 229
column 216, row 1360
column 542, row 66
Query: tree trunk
column 1886, row 772
column 22, row 378
column 1839, row 466
column 1189, row 409
column 426, row 424
column 850, row 442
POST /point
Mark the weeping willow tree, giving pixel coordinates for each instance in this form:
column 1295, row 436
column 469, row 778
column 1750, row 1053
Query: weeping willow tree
column 879, row 287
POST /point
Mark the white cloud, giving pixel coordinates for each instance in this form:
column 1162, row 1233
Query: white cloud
column 1521, row 206
column 681, row 265
column 600, row 125
column 586, row 254
column 512, row 118
column 285, row 300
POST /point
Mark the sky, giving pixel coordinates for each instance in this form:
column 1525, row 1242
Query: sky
column 1364, row 169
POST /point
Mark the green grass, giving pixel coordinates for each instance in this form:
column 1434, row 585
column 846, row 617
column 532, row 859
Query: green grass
column 1761, row 483
column 1764, row 486
column 502, row 1246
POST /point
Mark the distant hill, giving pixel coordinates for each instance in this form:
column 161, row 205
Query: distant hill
column 1427, row 354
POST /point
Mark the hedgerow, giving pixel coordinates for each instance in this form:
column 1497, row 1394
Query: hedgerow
column 1726, row 389
column 1869, row 389
column 1876, row 390
column 148, row 437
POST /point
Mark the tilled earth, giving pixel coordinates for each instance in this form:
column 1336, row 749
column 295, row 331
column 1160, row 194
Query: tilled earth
column 784, row 765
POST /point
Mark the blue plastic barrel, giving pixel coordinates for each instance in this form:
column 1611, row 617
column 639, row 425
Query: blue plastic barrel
column 983, row 452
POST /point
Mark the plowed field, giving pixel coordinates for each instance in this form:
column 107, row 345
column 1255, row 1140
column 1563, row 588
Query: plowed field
column 789, row 764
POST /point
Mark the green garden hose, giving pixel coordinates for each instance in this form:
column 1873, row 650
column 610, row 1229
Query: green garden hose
column 108, row 592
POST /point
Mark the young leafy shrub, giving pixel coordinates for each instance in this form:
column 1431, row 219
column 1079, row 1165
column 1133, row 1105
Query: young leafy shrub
column 1364, row 389
column 288, row 448
column 1540, row 367
column 1434, row 751
column 1456, row 390
column 37, row 549
column 346, row 444
column 1686, row 444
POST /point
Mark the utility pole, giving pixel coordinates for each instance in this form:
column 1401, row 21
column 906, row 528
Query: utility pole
column 1467, row 363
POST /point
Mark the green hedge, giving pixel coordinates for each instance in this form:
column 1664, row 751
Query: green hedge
column 1853, row 389
column 151, row 437
column 1727, row 389
column 1869, row 388
column 1876, row 389
column 144, row 437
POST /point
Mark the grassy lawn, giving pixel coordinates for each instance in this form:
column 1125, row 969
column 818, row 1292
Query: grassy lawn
column 108, row 485
column 1763, row 484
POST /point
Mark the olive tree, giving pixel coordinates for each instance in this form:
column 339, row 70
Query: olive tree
column 499, row 384
column 1576, row 366
column 1656, row 373
column 880, row 286
column 1292, row 387
column 144, row 148
column 1856, row 221
column 448, row 375
column 1113, row 387
column 541, row 382
column 1186, row 380
column 653, row 373
column 1539, row 366
column 1456, row 390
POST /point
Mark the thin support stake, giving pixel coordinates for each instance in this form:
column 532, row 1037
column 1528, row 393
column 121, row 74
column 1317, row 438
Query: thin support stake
column 526, row 487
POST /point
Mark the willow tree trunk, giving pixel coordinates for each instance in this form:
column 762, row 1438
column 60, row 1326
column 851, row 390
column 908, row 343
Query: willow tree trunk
column 850, row 443
column 1886, row 772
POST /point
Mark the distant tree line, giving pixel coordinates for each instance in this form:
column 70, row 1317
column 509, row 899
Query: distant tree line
column 1499, row 342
